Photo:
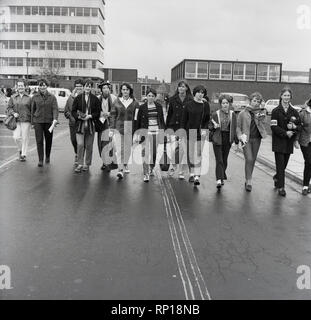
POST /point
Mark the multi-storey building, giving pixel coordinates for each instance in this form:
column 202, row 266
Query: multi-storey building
column 62, row 37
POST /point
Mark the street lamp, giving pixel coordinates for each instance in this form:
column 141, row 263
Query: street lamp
column 27, row 53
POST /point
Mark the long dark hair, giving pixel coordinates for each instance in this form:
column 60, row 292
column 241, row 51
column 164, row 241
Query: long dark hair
column 283, row 91
column 188, row 91
column 128, row 87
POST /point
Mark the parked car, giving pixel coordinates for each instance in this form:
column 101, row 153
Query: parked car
column 3, row 105
column 61, row 94
column 271, row 104
column 240, row 101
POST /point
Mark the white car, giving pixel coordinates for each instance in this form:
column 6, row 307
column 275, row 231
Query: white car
column 271, row 104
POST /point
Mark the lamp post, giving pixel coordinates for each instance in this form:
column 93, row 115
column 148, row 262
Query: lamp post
column 27, row 53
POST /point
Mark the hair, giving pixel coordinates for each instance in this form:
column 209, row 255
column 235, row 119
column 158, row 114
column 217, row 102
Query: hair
column 128, row 87
column 79, row 81
column 284, row 90
column 199, row 88
column 43, row 81
column 256, row 95
column 223, row 97
column 22, row 80
column 88, row 81
column 151, row 90
column 188, row 90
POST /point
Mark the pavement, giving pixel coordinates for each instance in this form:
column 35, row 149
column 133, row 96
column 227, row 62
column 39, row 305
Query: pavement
column 90, row 236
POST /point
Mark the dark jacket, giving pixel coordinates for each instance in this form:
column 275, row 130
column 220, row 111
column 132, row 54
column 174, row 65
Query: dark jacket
column 279, row 119
column 22, row 106
column 216, row 133
column 175, row 110
column 119, row 114
column 44, row 108
column 195, row 116
column 79, row 104
column 68, row 110
column 303, row 136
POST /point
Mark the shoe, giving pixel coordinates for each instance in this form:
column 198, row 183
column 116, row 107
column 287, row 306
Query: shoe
column 305, row 191
column 85, row 168
column 120, row 175
column 218, row 184
column 191, row 178
column 222, row 182
column 103, row 167
column 248, row 187
column 282, row 192
column 181, row 176
column 126, row 169
column 146, row 177
column 196, row 181
column 40, row 164
column 47, row 160
column 151, row 173
column 78, row 169
column 23, row 158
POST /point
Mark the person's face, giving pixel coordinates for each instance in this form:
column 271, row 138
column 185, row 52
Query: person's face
column 150, row 97
column 225, row 105
column 78, row 88
column 182, row 89
column 87, row 88
column 255, row 103
column 125, row 92
column 286, row 96
column 199, row 96
column 43, row 87
column 105, row 90
column 20, row 87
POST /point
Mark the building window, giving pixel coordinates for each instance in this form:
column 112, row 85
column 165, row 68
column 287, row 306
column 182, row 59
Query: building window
column 72, row 46
column 12, row 62
column 19, row 27
column 4, row 62
column 50, row 28
column 34, row 45
column 12, row 10
column 12, row 27
column 72, row 12
column 64, row 11
column 86, row 46
column 62, row 61
column 202, row 70
column 72, row 63
column 56, row 11
column 144, row 89
column 19, row 44
column 42, row 45
column 79, row 28
column 87, row 12
column 42, row 27
column 190, row 69
column 94, row 46
column 12, row 44
column 56, row 28
column 220, row 71
column 42, row 11
column 73, row 28
column 49, row 45
column 267, row 72
column 64, row 45
column 4, row 44
column 93, row 64
column 63, row 28
column 40, row 62
column 56, row 45
column 244, row 71
column 78, row 46
column 85, row 28
column 27, row 11
column 49, row 11
column 94, row 12
column 34, row 11
column 20, row 10
column 79, row 12
column 34, row 27
column 19, row 62
column 27, row 45
column 27, row 27
column 93, row 29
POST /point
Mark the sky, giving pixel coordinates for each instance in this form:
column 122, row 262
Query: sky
column 153, row 36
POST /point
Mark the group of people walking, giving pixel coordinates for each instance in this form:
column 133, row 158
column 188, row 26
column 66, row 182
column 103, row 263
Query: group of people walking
column 120, row 122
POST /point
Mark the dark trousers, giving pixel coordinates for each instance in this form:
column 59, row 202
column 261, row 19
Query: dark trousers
column 73, row 138
column 306, row 151
column 221, row 155
column 42, row 133
column 101, row 144
column 281, row 161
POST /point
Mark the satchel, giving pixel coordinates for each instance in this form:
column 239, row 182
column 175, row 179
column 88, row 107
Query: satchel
column 164, row 163
column 10, row 122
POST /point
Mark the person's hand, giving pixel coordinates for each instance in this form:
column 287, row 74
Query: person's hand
column 111, row 134
column 296, row 144
column 204, row 133
column 32, row 126
column 87, row 117
column 290, row 126
column 136, row 138
column 290, row 134
column 243, row 138
column 216, row 125
column 16, row 115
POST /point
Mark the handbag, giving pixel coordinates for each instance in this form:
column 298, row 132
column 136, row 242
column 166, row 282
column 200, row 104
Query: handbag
column 164, row 163
column 10, row 122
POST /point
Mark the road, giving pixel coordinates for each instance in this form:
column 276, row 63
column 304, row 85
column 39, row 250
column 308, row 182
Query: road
column 89, row 236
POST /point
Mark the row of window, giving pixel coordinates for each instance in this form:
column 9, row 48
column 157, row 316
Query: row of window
column 48, row 45
column 54, row 11
column 43, row 62
column 235, row 71
column 50, row 28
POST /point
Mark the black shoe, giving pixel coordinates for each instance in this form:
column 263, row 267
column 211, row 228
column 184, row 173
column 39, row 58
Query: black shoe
column 304, row 192
column 282, row 192
column 191, row 179
column 196, row 181
column 23, row 158
column 40, row 164
column 47, row 160
column 20, row 157
column 218, row 185
column 222, row 182
column 248, row 187
column 103, row 167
